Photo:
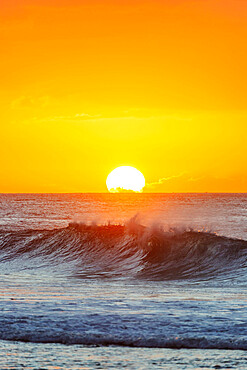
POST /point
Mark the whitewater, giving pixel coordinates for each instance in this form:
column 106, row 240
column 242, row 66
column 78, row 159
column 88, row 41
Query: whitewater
column 123, row 280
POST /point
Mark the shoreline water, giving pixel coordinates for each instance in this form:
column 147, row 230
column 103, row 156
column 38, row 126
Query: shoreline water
column 59, row 356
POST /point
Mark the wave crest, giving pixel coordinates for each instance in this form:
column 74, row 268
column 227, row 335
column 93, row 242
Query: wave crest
column 130, row 250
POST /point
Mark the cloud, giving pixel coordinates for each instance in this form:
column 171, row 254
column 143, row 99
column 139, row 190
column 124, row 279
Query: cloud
column 73, row 118
column 85, row 116
column 137, row 114
column 196, row 178
column 164, row 179
column 26, row 102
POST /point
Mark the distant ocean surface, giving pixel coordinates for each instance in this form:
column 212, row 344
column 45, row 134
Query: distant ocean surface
column 136, row 281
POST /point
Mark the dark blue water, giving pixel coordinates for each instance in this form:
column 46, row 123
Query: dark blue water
column 85, row 271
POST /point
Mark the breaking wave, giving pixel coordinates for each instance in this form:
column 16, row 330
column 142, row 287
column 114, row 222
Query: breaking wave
column 130, row 250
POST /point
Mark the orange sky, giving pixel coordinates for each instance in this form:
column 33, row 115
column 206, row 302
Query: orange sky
column 89, row 85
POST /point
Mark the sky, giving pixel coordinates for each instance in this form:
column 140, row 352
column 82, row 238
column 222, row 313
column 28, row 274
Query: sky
column 90, row 85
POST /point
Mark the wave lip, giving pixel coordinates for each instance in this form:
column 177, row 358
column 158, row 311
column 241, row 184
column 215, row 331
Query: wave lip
column 130, row 250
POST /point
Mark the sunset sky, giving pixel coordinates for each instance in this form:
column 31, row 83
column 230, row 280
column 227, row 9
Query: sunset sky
column 90, row 85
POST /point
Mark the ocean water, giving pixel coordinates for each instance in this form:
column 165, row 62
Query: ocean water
column 137, row 281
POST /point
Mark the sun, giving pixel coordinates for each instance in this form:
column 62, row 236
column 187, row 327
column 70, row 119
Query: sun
column 124, row 179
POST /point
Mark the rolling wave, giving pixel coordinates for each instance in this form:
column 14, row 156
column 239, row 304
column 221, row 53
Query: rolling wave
column 130, row 250
column 49, row 336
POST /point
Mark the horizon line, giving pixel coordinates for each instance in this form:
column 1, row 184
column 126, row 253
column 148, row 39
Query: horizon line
column 136, row 193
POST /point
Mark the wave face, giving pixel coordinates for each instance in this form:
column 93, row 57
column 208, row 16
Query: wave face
column 131, row 250
column 37, row 335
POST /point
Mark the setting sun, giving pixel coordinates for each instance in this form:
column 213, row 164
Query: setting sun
column 125, row 178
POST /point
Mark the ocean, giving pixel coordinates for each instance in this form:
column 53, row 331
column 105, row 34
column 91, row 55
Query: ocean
column 135, row 281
